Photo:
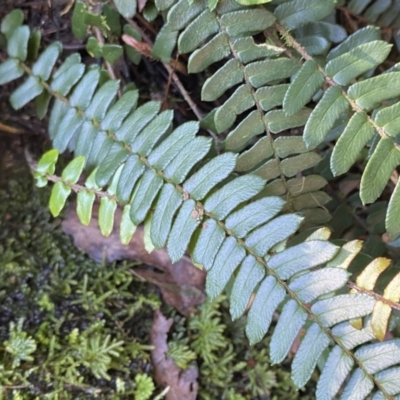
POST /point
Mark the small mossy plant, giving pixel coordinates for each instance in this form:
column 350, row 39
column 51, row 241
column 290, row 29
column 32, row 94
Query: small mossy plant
column 248, row 210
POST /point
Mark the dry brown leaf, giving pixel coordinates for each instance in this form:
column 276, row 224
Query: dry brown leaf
column 182, row 384
column 181, row 284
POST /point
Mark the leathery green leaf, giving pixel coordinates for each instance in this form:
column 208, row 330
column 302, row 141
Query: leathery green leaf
column 356, row 135
column 380, row 166
column 343, row 307
column 389, row 119
column 251, row 126
column 324, row 115
column 133, row 125
column 188, row 219
column 247, row 50
column 224, row 200
column 227, row 76
column 197, row 31
column 17, row 44
column 305, row 84
column 84, row 90
column 211, row 237
column 378, row 356
column 288, row 145
column 114, row 158
column 229, row 257
column 278, row 121
column 117, row 113
column 10, row 70
column 336, row 370
column 271, row 96
column 188, row 157
column 132, row 171
column 299, row 12
column 127, row 8
column 241, row 222
column 305, row 360
column 291, row 166
column 30, row 89
column 364, row 35
column 369, row 93
column 78, row 20
column 316, row 283
column 215, row 50
column 357, row 61
column 64, row 82
column 207, row 177
column 289, row 324
column 249, row 159
column 102, row 100
column 167, row 204
column 127, row 228
column 269, row 295
column 11, row 21
column 263, row 239
column 303, row 256
column 163, row 154
column 260, row 73
column 358, row 386
column 244, row 21
column 165, row 43
column 46, row 61
column 152, row 133
column 84, row 206
column 240, row 101
column 250, row 274
column 47, row 162
column 106, row 215
column 58, row 197
column 389, row 379
column 73, row 170
column 392, row 222
column 149, row 186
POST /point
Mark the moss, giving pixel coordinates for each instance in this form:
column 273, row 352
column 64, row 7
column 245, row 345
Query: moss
column 71, row 328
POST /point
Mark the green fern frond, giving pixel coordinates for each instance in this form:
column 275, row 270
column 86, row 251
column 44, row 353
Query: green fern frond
column 168, row 178
column 260, row 70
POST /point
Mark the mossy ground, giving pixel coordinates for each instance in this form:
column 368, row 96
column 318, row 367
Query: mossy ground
column 71, row 328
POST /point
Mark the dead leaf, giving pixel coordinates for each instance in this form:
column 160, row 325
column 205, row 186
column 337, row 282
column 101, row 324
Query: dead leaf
column 181, row 284
column 182, row 384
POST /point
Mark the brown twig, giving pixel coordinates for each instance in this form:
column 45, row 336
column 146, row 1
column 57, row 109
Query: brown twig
column 14, row 131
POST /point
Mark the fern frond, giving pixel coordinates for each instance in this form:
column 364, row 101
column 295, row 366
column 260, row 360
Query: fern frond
column 138, row 161
column 365, row 102
column 257, row 71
